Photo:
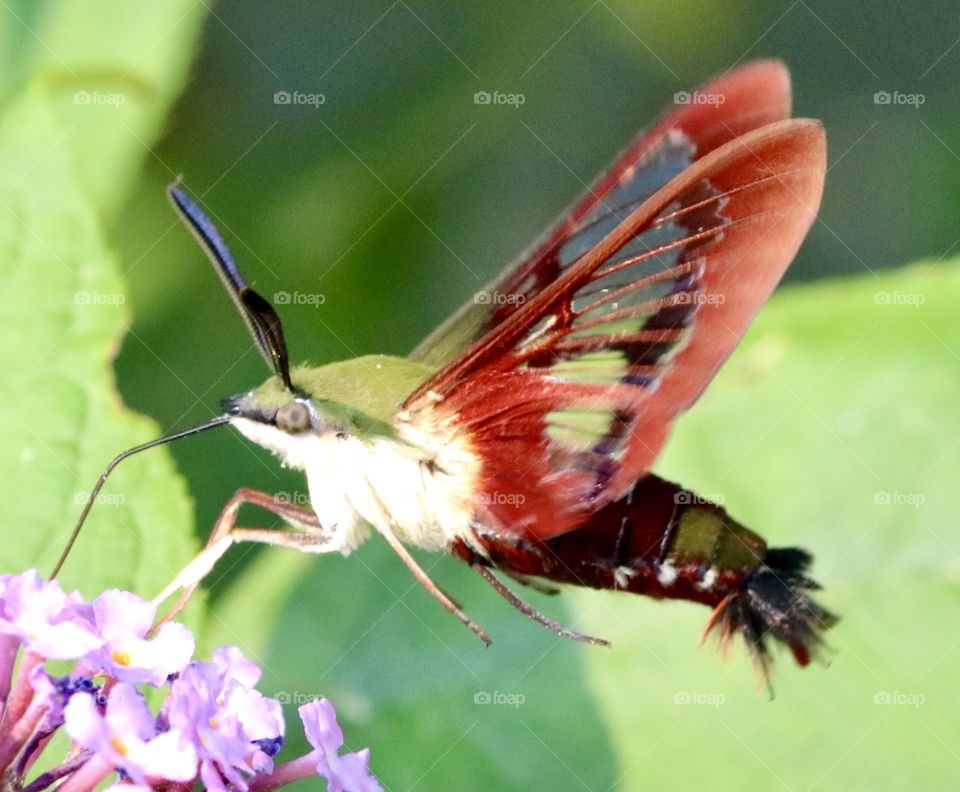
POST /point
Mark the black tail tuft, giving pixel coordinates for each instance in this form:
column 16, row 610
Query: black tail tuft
column 774, row 602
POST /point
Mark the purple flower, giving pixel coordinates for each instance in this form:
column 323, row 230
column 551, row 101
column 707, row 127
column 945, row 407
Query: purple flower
column 49, row 622
column 348, row 772
column 55, row 692
column 123, row 620
column 234, row 665
column 126, row 736
column 260, row 719
column 213, row 727
column 228, row 721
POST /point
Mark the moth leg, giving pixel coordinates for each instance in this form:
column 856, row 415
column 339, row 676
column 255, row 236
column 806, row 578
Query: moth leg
column 532, row 613
column 424, row 580
column 312, row 538
column 531, row 582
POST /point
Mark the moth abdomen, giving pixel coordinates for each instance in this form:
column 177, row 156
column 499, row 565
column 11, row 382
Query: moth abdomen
column 664, row 541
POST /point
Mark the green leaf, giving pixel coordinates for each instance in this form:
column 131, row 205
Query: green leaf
column 112, row 69
column 64, row 165
column 833, row 427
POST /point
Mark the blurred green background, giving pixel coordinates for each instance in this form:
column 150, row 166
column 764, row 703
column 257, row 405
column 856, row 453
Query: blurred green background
column 389, row 195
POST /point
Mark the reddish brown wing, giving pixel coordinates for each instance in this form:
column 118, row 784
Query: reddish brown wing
column 725, row 108
column 569, row 399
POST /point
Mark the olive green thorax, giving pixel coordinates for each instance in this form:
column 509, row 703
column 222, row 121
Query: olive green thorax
column 364, row 393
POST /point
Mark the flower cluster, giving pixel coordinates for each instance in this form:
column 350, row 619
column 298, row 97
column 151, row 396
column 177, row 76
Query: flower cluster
column 212, row 727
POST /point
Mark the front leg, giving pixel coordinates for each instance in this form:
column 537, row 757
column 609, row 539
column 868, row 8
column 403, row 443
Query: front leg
column 311, row 538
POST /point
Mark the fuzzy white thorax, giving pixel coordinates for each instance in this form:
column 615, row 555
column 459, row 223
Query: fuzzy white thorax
column 415, row 486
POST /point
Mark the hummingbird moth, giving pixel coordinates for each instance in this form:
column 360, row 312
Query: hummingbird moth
column 520, row 435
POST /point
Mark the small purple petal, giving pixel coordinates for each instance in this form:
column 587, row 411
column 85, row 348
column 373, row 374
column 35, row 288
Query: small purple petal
column 9, row 648
column 320, row 725
column 123, row 621
column 354, row 774
column 84, row 723
column 42, row 683
column 211, row 778
column 167, row 755
column 125, row 736
column 119, row 614
column 128, row 714
column 349, row 772
column 193, row 707
column 49, row 622
column 260, row 719
column 225, row 718
column 233, row 664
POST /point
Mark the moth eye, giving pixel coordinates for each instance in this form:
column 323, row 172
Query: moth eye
column 293, row 418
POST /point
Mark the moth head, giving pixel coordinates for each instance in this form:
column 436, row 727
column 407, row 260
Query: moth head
column 287, row 422
column 291, row 422
column 288, row 411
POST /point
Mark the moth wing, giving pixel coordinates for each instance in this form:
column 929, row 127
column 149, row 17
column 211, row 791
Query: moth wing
column 569, row 398
column 723, row 109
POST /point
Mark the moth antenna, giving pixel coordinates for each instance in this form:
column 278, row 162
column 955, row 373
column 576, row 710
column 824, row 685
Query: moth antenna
column 92, row 497
column 261, row 319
